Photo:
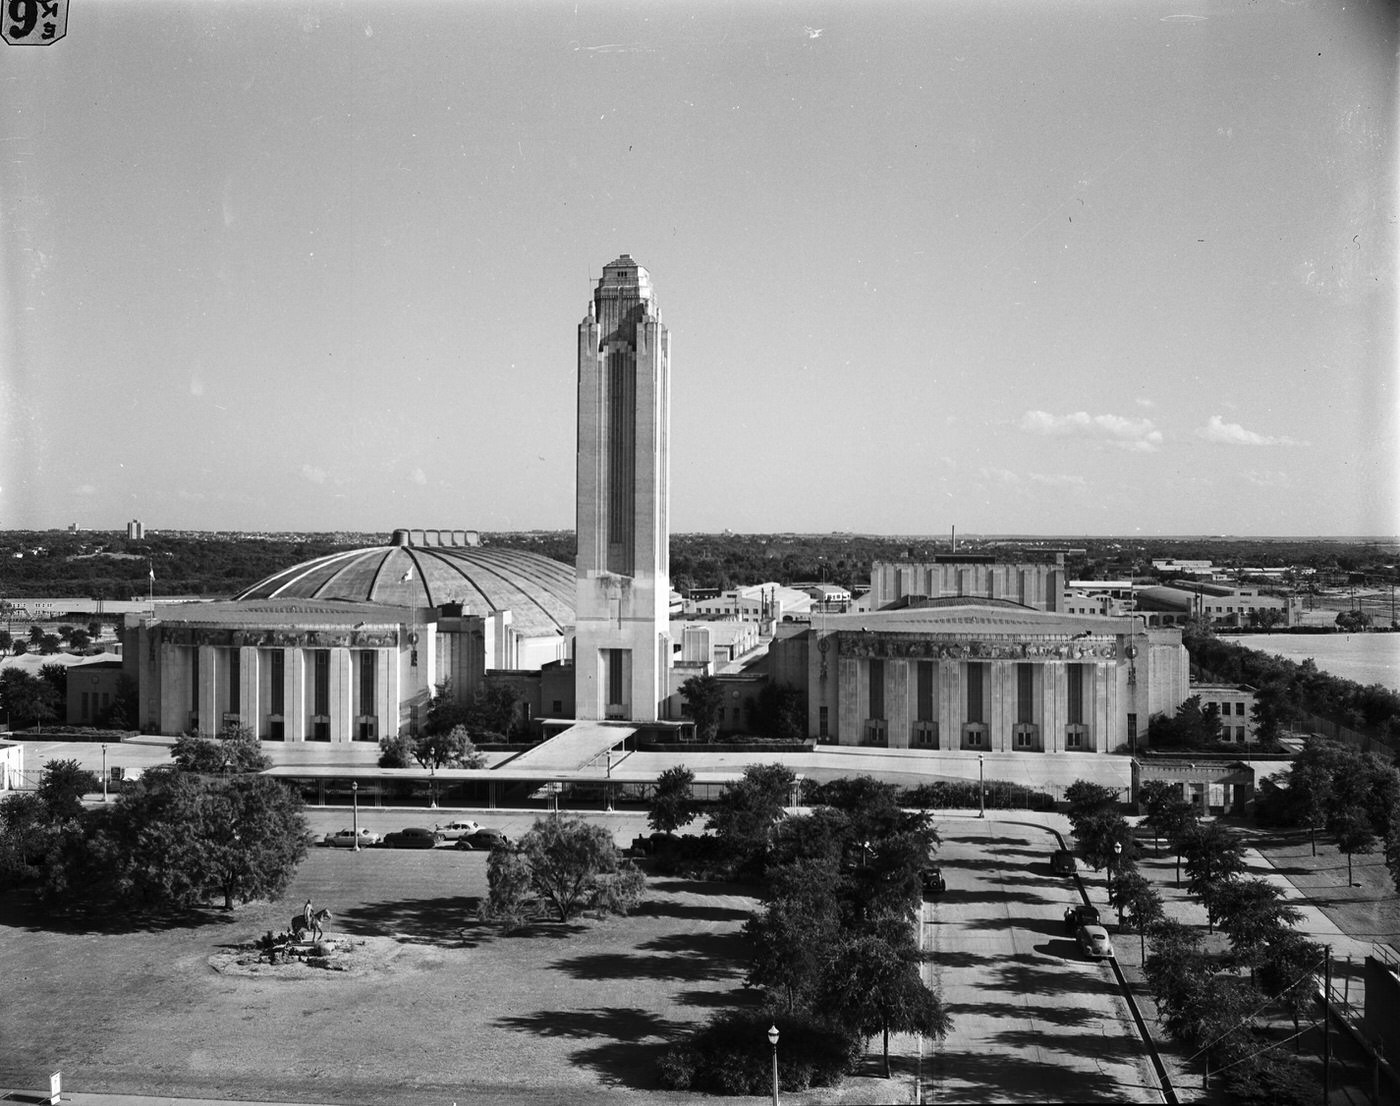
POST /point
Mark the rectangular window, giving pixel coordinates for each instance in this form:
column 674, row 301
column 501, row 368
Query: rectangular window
column 277, row 670
column 1074, row 686
column 1239, row 708
column 558, row 707
column 321, row 683
column 877, row 689
column 616, row 691
column 923, row 710
column 974, row 692
column 1074, row 739
column 1025, row 693
column 823, row 717
column 1024, row 738
column 194, row 678
column 235, row 680
column 367, row 681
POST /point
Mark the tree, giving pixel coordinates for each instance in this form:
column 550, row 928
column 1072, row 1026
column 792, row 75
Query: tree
column 6, row 641
column 1352, row 829
column 492, row 709
column 1310, row 797
column 703, row 700
column 62, row 787
column 49, row 644
column 1157, row 797
column 1287, row 970
column 235, row 750
column 779, row 712
column 1086, row 799
column 746, row 810
column 1253, row 913
column 1134, row 897
column 26, row 833
column 1213, row 857
column 396, row 751
column 256, row 837
column 79, row 640
column 36, row 634
column 571, row 864
column 178, row 838
column 1353, row 622
column 791, row 938
column 672, row 804
column 874, row 984
column 453, row 749
column 1392, row 845
column 1096, row 835
column 29, row 700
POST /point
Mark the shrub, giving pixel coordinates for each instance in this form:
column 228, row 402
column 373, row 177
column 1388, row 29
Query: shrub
column 730, row 1054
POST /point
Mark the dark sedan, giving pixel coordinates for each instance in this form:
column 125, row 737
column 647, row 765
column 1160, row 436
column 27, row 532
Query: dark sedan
column 412, row 837
column 482, row 839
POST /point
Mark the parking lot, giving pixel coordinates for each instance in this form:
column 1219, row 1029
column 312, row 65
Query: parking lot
column 1033, row 1019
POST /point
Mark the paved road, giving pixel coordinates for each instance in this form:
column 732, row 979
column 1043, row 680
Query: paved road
column 1033, row 1021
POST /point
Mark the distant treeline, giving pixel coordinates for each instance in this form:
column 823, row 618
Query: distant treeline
column 1289, row 685
column 106, row 565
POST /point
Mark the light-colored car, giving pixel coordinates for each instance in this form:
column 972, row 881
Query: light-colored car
column 346, row 839
column 1093, row 940
column 457, row 828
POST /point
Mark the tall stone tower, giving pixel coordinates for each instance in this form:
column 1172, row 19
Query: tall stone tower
column 622, row 647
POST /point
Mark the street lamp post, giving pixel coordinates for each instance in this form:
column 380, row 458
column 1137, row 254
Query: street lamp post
column 1117, row 853
column 432, row 787
column 981, row 789
column 104, row 773
column 773, row 1040
column 355, row 811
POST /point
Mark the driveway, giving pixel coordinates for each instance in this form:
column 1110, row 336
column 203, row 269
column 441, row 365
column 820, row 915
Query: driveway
column 1033, row 1021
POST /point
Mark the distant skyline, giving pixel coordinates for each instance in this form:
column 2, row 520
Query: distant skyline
column 1019, row 268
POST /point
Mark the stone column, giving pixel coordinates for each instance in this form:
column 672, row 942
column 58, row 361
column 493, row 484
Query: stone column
column 1003, row 711
column 342, row 688
column 897, row 703
column 1102, row 733
column 210, row 723
column 1056, row 706
column 952, row 704
column 851, row 700
column 176, row 693
column 250, row 689
column 294, row 694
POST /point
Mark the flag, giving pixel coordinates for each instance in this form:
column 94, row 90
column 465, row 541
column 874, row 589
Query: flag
column 407, row 576
column 153, row 572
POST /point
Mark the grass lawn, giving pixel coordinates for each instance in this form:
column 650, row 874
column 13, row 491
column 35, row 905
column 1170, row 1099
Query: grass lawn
column 569, row 1013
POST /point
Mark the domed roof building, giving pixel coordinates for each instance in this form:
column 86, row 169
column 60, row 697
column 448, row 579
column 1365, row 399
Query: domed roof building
column 353, row 646
column 437, row 568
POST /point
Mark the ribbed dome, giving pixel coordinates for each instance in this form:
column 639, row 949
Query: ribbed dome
column 538, row 592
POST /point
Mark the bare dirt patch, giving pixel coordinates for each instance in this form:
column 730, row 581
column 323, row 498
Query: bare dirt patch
column 350, row 958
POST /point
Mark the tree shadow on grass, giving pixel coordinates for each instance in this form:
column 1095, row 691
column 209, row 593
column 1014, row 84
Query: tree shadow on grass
column 676, row 886
column 445, row 920
column 22, row 910
column 628, row 1057
column 692, row 957
column 997, row 1075
column 654, row 909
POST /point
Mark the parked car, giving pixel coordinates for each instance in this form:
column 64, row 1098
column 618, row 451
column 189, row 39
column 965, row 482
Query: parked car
column 1062, row 863
column 412, row 837
column 1093, row 941
column 484, row 838
column 348, row 838
column 934, row 883
column 458, row 828
column 1076, row 916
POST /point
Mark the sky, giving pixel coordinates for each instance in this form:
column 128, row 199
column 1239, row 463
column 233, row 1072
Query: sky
column 1014, row 266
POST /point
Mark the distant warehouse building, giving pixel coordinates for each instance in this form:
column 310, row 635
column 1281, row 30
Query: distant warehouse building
column 1218, row 604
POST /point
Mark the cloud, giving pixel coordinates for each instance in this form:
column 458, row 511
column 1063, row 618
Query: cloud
column 1232, row 433
column 85, row 489
column 418, row 476
column 315, row 475
column 1118, row 431
column 1268, row 479
column 1000, row 476
column 1057, row 480
column 1148, row 403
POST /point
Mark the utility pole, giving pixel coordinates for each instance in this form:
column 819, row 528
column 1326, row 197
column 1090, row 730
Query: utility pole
column 1327, row 1028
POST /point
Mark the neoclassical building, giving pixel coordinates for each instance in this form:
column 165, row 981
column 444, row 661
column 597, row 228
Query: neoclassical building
column 350, row 646
column 981, row 674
